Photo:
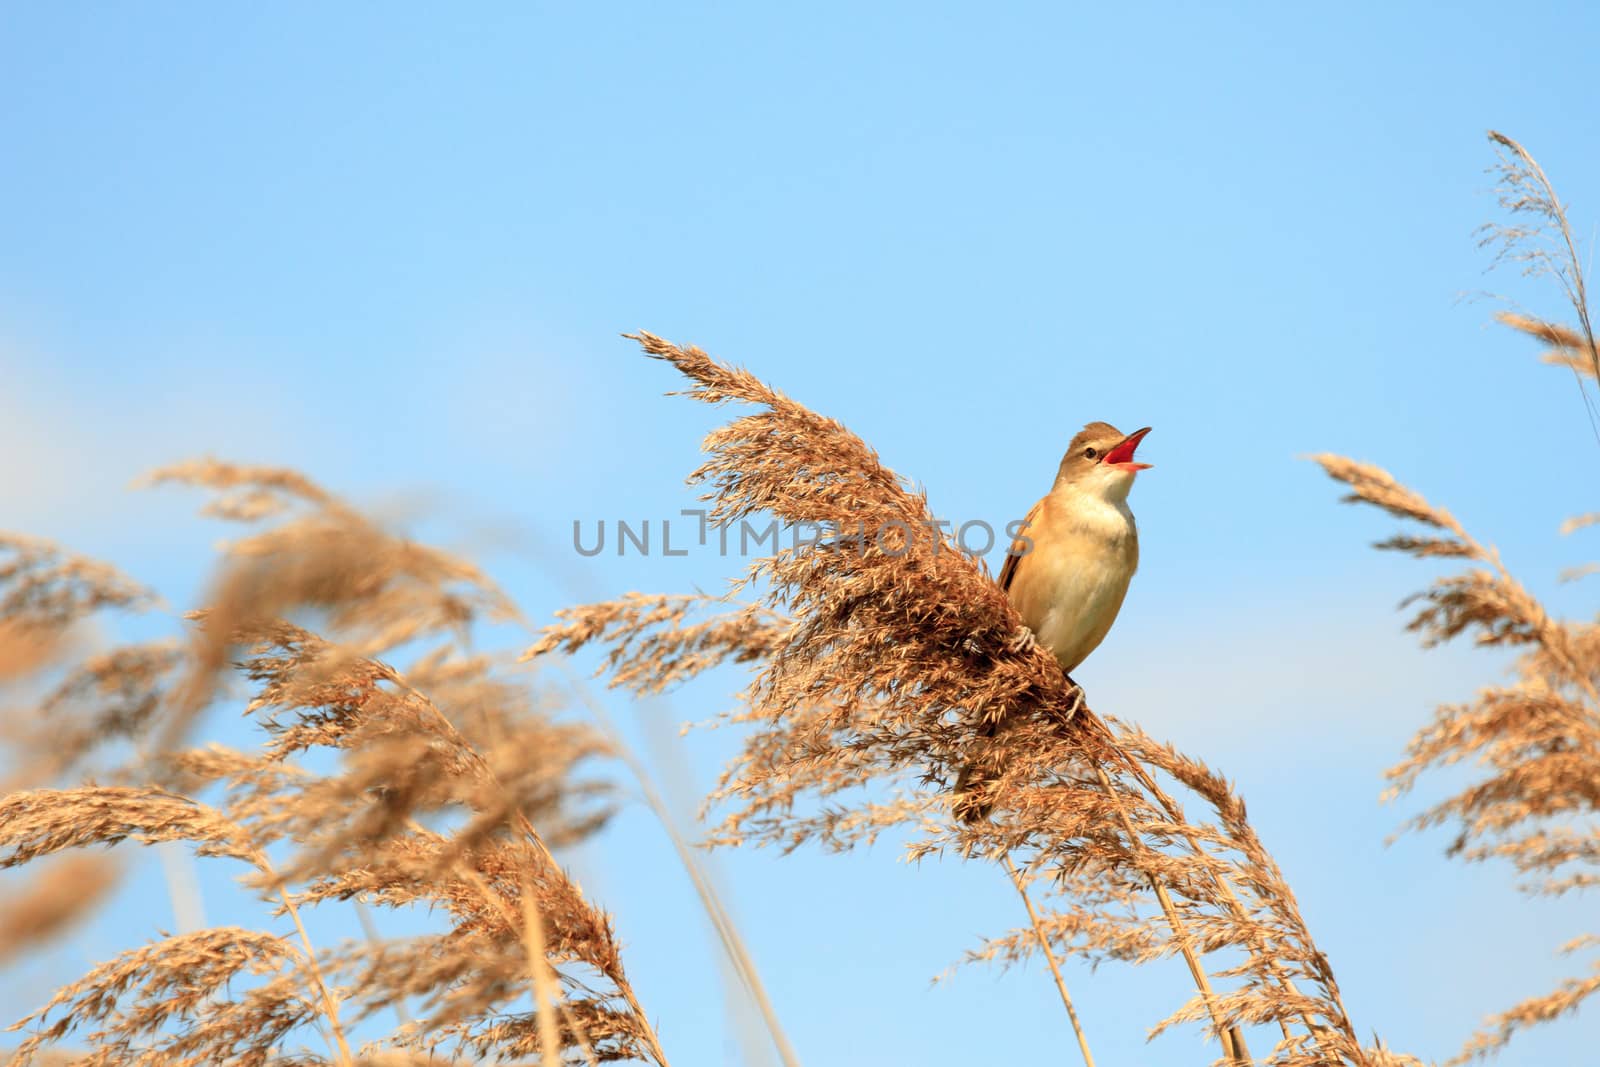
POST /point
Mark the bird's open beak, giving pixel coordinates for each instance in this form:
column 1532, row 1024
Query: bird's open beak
column 1121, row 457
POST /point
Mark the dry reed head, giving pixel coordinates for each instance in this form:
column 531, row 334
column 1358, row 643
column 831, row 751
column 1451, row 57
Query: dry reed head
column 1538, row 237
column 53, row 901
column 886, row 659
column 1536, row 739
column 1535, row 742
column 441, row 788
column 879, row 650
column 47, row 594
column 46, row 587
column 375, row 590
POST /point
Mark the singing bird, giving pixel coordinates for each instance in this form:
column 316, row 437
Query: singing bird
column 1068, row 572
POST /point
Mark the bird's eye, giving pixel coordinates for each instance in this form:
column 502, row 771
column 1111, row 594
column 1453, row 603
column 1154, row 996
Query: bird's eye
column 1089, row 453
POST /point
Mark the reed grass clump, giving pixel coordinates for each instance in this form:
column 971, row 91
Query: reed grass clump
column 1534, row 742
column 441, row 788
column 891, row 693
column 882, row 669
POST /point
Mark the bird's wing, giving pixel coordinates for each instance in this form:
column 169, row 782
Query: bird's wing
column 1008, row 570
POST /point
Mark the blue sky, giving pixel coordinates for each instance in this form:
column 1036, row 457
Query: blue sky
column 395, row 246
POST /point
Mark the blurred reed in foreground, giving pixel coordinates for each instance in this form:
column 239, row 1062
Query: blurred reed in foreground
column 442, row 787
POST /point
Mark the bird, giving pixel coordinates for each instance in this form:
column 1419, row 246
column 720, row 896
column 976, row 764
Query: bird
column 1068, row 571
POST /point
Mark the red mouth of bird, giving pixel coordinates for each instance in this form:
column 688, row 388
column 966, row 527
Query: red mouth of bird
column 1121, row 457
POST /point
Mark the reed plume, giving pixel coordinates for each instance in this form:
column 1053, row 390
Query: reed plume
column 444, row 786
column 1536, row 740
column 885, row 660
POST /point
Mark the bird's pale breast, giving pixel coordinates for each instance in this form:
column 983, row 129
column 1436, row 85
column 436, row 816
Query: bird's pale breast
column 1069, row 588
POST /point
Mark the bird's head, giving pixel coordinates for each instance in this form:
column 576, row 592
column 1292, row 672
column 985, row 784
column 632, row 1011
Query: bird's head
column 1100, row 461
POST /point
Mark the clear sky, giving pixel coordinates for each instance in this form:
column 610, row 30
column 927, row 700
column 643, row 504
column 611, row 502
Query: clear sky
column 394, row 245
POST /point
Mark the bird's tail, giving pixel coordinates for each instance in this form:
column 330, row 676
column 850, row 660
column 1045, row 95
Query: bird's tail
column 972, row 801
column 974, row 790
column 973, row 798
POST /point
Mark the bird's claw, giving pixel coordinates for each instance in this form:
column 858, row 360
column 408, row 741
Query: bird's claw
column 1024, row 642
column 1075, row 698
